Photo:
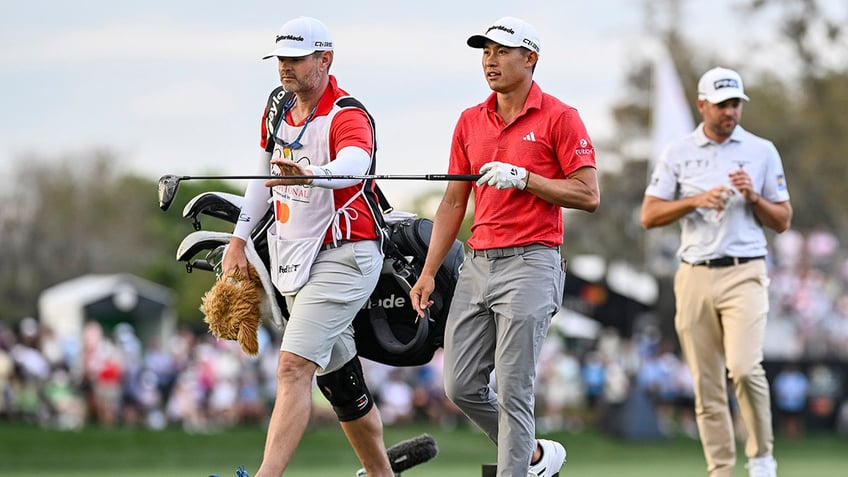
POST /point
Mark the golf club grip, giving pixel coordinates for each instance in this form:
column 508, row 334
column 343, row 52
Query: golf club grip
column 453, row 177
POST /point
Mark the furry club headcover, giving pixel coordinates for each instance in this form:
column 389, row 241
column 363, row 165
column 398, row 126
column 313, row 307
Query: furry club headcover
column 231, row 308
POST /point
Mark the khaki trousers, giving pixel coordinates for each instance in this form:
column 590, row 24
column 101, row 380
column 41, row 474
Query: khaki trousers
column 720, row 321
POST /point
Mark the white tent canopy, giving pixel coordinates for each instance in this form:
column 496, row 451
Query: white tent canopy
column 621, row 278
column 110, row 299
column 576, row 325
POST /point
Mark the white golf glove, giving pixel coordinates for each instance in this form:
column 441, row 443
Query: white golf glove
column 502, row 175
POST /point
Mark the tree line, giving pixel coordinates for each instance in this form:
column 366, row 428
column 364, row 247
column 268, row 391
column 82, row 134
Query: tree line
column 68, row 216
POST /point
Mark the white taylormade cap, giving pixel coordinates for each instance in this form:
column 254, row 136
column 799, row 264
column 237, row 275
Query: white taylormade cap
column 720, row 84
column 509, row 31
column 300, row 37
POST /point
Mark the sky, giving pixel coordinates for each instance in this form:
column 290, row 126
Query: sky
column 178, row 86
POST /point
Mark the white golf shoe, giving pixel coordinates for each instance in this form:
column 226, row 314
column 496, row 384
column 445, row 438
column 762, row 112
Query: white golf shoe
column 553, row 456
column 764, row 466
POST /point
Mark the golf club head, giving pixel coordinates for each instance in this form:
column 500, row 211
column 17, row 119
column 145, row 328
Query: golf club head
column 220, row 205
column 201, row 241
column 168, row 186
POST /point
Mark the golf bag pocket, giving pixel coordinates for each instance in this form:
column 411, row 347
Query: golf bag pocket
column 388, row 329
column 291, row 261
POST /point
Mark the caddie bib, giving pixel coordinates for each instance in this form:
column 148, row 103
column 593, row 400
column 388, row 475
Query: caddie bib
column 302, row 214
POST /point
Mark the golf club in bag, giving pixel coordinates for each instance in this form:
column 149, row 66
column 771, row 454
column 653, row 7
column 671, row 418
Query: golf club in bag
column 387, row 329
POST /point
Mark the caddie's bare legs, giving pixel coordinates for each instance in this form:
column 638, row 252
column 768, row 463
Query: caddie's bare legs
column 366, row 437
column 290, row 417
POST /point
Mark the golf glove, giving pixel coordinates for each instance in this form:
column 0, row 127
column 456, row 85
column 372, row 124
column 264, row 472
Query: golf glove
column 502, row 175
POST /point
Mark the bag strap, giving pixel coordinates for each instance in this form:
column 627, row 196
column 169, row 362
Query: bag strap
column 274, row 110
column 375, row 196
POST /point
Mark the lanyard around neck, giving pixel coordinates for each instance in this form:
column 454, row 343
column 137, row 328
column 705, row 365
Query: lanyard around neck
column 296, row 143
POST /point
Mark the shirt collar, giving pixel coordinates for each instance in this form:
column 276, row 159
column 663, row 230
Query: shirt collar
column 534, row 100
column 702, row 140
column 328, row 99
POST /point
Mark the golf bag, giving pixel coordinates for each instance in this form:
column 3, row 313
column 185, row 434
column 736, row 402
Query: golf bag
column 387, row 329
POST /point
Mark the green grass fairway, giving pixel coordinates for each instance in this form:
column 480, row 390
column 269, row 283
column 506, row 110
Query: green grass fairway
column 324, row 452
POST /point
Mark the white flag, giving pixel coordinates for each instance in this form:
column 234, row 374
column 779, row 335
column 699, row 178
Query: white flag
column 670, row 115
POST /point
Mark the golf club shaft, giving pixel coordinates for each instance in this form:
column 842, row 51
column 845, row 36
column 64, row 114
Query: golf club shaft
column 168, row 184
column 423, row 177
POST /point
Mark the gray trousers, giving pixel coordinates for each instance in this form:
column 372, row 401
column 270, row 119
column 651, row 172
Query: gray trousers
column 499, row 317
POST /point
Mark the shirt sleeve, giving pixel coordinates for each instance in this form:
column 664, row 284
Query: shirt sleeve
column 574, row 147
column 350, row 161
column 351, row 128
column 663, row 182
column 263, row 140
column 774, row 186
column 255, row 203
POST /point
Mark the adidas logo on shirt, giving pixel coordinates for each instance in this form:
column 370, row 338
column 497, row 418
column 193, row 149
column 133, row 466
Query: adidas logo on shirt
column 530, row 137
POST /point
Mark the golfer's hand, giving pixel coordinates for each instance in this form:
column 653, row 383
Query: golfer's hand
column 741, row 181
column 419, row 295
column 715, row 198
column 503, row 176
column 289, row 168
column 234, row 258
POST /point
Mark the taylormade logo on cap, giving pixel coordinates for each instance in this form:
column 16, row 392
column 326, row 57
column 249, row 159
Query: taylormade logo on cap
column 501, row 27
column 509, row 31
column 720, row 84
column 289, row 37
column 300, row 37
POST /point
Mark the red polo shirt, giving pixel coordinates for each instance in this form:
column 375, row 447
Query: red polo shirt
column 547, row 138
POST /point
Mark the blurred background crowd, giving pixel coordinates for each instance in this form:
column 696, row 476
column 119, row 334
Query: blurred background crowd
column 628, row 385
column 79, row 218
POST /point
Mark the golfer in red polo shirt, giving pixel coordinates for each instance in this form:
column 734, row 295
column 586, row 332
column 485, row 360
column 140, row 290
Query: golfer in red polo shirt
column 536, row 158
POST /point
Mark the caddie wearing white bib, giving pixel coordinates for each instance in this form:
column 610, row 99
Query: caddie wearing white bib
column 724, row 184
column 324, row 246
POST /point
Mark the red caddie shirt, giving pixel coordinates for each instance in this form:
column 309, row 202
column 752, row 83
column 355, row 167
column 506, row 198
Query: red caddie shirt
column 547, row 138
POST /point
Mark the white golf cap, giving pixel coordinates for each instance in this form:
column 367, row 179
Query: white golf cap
column 509, row 31
column 300, row 37
column 721, row 84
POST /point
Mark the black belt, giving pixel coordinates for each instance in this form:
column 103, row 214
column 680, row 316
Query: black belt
column 331, row 245
column 509, row 251
column 723, row 261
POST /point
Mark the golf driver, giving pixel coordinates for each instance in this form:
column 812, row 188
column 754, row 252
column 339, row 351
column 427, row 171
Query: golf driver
column 169, row 183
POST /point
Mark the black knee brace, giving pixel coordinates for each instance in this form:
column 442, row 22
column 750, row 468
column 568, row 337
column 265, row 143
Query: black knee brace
column 346, row 390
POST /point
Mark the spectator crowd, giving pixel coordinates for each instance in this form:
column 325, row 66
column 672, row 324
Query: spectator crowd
column 109, row 378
